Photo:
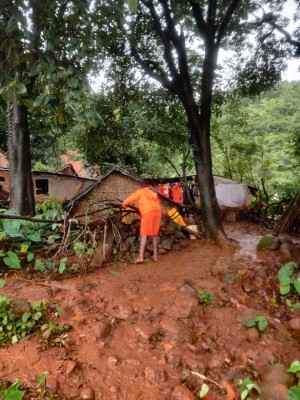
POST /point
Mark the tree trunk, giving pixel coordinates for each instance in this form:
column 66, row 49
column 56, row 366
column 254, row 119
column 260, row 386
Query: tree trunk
column 199, row 124
column 20, row 177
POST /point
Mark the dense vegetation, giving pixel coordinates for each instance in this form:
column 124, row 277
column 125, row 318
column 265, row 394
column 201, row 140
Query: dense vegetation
column 162, row 58
column 255, row 140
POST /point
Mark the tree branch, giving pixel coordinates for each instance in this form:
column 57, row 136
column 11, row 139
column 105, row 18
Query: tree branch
column 287, row 35
column 199, row 18
column 232, row 7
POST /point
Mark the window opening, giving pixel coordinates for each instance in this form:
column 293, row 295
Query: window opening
column 42, row 186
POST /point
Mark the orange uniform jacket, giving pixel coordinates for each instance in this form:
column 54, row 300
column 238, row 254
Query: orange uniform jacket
column 165, row 190
column 177, row 193
column 146, row 198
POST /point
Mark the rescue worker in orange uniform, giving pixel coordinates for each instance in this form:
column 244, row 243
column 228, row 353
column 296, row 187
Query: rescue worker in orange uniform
column 150, row 210
column 177, row 193
column 164, row 189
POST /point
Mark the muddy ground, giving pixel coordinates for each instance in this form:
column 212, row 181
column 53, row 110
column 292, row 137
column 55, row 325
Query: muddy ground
column 139, row 332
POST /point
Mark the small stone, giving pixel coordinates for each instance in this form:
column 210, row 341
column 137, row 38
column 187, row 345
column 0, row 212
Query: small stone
column 288, row 250
column 230, row 277
column 247, row 287
column 102, row 330
column 215, row 362
column 71, row 365
column 174, row 360
column 157, row 375
column 161, row 251
column 285, row 239
column 87, row 393
column 171, row 227
column 52, row 384
column 252, row 334
column 187, row 288
column 112, row 362
column 274, row 391
column 295, row 324
column 123, row 311
column 277, row 374
column 268, row 242
column 144, row 330
column 19, row 306
column 167, row 243
column 181, row 393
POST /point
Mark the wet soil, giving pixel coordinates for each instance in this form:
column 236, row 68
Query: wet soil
column 139, row 332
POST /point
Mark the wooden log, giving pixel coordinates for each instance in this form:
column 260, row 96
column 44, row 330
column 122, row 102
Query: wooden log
column 104, row 246
column 290, row 217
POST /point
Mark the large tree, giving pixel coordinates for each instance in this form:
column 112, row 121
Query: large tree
column 43, row 51
column 177, row 43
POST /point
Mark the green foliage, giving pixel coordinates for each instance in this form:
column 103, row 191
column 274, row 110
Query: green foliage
column 12, row 329
column 54, row 335
column 246, row 387
column 20, row 236
column 255, row 140
column 289, row 279
column 205, row 297
column 295, row 369
column 294, row 391
column 17, row 390
column 260, row 321
column 12, row 260
column 204, row 390
column 13, row 392
column 139, row 134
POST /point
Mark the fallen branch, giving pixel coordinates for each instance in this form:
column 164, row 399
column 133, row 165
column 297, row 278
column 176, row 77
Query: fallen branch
column 198, row 375
column 47, row 285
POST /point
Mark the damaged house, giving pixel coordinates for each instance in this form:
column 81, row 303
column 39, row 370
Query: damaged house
column 120, row 233
column 63, row 185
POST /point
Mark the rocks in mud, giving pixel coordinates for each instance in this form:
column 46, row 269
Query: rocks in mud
column 274, row 391
column 295, row 324
column 70, row 367
column 268, row 242
column 252, row 334
column 282, row 243
column 182, row 305
column 289, row 250
column 52, row 384
column 277, row 374
column 274, row 382
column 19, row 306
column 102, row 330
column 123, row 311
column 155, row 375
column 170, row 238
column 144, row 330
column 87, row 393
column 181, row 393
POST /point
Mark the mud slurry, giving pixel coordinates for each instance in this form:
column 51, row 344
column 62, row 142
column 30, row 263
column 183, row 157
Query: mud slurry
column 139, row 332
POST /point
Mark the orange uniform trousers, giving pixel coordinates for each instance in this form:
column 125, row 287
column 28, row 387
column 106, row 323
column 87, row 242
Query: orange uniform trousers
column 150, row 223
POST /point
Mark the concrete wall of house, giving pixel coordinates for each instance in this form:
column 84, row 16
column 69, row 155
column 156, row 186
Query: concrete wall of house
column 62, row 187
column 4, row 173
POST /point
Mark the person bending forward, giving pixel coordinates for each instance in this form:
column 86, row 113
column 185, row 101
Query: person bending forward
column 150, row 210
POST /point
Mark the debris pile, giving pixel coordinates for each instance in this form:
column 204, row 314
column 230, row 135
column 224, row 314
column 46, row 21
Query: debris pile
column 171, row 237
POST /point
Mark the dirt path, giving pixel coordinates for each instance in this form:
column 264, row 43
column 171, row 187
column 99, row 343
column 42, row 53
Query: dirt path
column 138, row 332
